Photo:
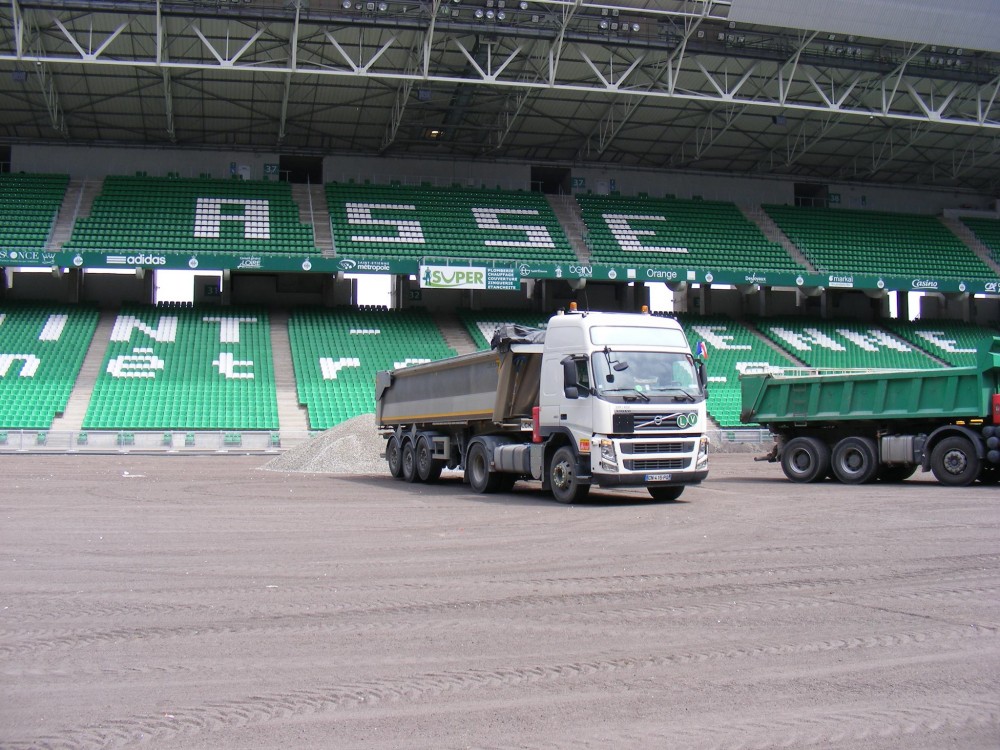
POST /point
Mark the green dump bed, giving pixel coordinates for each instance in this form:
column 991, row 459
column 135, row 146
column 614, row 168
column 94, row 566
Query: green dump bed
column 950, row 393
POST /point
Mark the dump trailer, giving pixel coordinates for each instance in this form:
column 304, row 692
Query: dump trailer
column 607, row 399
column 862, row 425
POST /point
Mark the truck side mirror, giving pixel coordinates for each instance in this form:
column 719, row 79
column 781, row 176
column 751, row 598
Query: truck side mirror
column 703, row 377
column 571, row 388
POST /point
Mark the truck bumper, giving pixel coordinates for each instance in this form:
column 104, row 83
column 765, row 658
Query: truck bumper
column 639, row 480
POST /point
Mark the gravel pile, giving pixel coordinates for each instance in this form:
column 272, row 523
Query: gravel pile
column 351, row 447
column 355, row 447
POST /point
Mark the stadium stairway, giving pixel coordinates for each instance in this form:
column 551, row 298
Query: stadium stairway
column 76, row 204
column 292, row 416
column 313, row 210
column 974, row 243
column 454, row 333
column 71, row 420
column 773, row 232
column 567, row 210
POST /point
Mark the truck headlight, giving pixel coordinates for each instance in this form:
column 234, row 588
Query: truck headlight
column 703, row 453
column 609, row 458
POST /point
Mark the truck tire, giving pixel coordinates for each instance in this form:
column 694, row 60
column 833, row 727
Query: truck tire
column 566, row 487
column 477, row 470
column 665, row 494
column 954, row 461
column 854, row 460
column 895, row 473
column 805, row 459
column 409, row 463
column 428, row 470
column 394, row 457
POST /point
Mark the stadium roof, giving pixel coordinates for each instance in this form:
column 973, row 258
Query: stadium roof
column 864, row 91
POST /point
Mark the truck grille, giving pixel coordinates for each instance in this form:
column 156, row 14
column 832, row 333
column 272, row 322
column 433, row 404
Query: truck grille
column 626, row 422
column 656, row 464
column 672, row 447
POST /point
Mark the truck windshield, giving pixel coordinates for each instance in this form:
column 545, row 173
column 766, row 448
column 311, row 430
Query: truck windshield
column 646, row 375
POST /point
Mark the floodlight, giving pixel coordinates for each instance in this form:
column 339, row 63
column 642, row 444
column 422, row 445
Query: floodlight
column 490, row 14
column 383, row 7
column 479, row 12
column 346, row 4
column 635, row 27
column 604, row 25
column 523, row 5
column 502, row 15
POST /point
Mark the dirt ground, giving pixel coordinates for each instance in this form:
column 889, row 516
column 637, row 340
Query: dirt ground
column 200, row 602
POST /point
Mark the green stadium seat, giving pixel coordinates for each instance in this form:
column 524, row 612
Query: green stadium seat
column 878, row 243
column 193, row 215
column 406, row 222
column 689, row 233
column 186, row 369
column 336, row 353
column 42, row 348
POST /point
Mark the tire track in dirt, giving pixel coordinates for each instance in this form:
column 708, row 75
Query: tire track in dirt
column 257, row 709
column 22, row 642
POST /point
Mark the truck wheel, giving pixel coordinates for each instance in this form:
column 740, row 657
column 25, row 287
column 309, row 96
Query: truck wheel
column 665, row 494
column 566, row 488
column 854, row 460
column 428, row 470
column 954, row 462
column 477, row 471
column 895, row 473
column 805, row 459
column 409, row 463
column 394, row 457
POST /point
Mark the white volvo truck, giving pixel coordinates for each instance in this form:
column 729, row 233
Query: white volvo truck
column 607, row 399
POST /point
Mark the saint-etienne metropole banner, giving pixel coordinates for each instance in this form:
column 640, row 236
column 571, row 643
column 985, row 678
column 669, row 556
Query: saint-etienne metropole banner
column 450, row 273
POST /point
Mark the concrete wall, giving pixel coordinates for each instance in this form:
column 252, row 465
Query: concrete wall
column 91, row 163
column 96, row 162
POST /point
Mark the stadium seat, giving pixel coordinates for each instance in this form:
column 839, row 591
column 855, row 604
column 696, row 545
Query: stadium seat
column 42, row 348
column 407, row 222
column 186, row 369
column 29, row 204
column 878, row 243
column 193, row 215
column 336, row 353
column 689, row 233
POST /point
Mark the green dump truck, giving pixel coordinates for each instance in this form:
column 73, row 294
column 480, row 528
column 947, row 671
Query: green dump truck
column 861, row 425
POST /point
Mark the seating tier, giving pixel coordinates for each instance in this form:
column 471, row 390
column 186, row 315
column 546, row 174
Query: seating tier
column 988, row 232
column 42, row 348
column 689, row 233
column 29, row 204
column 878, row 243
column 193, row 215
column 732, row 348
column 405, row 222
column 186, row 368
column 954, row 342
column 843, row 345
column 336, row 353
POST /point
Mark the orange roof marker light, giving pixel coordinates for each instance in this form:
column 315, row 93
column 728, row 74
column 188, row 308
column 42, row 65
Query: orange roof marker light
column 645, row 309
column 572, row 307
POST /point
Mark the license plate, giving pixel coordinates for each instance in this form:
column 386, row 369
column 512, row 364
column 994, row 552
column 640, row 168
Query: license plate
column 659, row 477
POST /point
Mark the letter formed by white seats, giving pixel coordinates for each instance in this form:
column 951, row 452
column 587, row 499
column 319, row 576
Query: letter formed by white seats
column 536, row 235
column 809, row 337
column 716, row 337
column 409, row 231
column 871, row 340
column 53, row 328
column 142, row 363
column 229, row 327
column 256, row 218
column 165, row 331
column 937, row 339
column 329, row 367
column 628, row 237
column 227, row 364
column 28, row 368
